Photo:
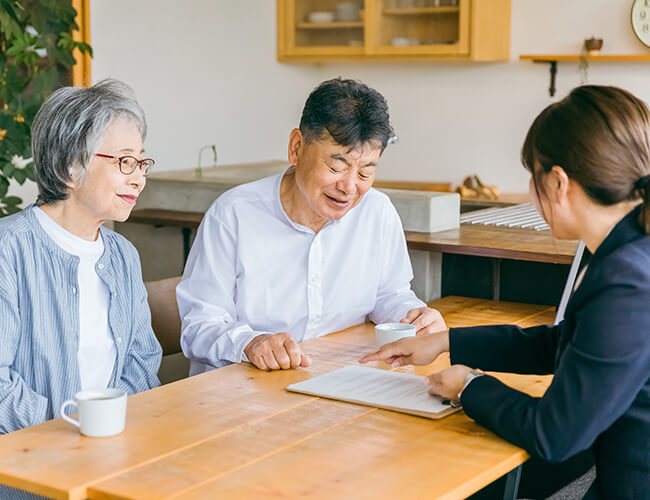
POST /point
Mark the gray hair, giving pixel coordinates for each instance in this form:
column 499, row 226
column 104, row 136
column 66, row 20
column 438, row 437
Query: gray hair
column 68, row 129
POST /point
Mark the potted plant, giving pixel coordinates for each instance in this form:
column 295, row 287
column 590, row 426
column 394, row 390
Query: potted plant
column 36, row 54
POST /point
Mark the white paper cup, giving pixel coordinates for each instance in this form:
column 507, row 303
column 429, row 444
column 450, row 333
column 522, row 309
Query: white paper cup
column 390, row 332
column 100, row 412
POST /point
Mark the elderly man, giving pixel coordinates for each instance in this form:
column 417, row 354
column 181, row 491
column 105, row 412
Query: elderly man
column 305, row 253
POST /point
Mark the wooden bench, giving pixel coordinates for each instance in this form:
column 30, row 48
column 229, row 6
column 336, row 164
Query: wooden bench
column 165, row 319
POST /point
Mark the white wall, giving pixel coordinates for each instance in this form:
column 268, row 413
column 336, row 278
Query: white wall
column 205, row 72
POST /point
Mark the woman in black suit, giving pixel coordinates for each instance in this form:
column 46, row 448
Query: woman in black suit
column 589, row 159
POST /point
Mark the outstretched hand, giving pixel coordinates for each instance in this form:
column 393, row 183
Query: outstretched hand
column 419, row 350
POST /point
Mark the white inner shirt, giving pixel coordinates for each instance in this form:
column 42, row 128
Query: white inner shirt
column 97, row 353
column 253, row 270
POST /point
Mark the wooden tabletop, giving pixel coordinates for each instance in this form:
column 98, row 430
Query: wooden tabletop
column 235, row 432
column 496, row 242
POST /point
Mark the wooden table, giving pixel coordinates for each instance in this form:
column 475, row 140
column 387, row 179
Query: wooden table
column 236, row 433
column 502, row 247
column 496, row 242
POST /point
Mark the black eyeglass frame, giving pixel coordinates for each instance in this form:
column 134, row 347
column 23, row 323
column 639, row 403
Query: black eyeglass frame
column 146, row 168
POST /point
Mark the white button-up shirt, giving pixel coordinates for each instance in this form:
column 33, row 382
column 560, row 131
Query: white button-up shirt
column 252, row 270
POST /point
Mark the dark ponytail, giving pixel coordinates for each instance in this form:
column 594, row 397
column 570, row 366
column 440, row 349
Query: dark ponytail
column 600, row 136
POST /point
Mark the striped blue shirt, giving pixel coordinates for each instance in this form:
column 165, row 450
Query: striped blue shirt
column 39, row 322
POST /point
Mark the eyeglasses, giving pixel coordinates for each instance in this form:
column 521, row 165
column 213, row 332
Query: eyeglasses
column 128, row 164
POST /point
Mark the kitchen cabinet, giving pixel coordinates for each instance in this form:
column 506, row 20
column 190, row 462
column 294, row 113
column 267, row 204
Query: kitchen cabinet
column 463, row 30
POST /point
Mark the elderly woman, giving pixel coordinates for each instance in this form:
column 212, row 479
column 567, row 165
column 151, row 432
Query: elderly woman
column 304, row 253
column 73, row 308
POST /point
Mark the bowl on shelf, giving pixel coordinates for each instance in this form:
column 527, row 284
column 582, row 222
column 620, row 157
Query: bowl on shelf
column 321, row 17
column 347, row 11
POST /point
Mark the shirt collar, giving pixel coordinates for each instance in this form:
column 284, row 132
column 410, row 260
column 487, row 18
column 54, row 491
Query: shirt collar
column 50, row 244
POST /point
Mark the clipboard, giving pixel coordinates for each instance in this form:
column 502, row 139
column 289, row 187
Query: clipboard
column 388, row 390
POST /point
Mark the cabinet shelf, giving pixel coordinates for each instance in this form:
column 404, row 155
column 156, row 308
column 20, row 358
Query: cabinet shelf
column 418, row 11
column 330, row 26
column 553, row 59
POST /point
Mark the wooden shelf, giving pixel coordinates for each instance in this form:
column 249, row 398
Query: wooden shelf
column 591, row 57
column 553, row 59
column 330, row 26
column 417, row 11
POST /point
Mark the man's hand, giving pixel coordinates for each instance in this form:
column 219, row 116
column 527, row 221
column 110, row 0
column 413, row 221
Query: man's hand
column 420, row 350
column 275, row 352
column 449, row 382
column 426, row 320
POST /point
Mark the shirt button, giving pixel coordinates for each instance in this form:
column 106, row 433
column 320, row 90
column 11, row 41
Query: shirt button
column 74, row 291
column 118, row 340
column 100, row 266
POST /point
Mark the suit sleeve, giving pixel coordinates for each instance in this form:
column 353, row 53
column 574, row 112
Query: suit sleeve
column 505, row 348
column 600, row 373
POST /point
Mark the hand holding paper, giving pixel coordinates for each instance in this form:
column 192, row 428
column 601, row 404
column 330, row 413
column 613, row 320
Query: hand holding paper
column 449, row 382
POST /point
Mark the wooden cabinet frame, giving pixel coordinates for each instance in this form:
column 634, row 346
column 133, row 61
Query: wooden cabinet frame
column 81, row 75
column 483, row 35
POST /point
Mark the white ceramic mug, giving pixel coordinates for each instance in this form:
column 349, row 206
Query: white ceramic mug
column 390, row 332
column 100, row 412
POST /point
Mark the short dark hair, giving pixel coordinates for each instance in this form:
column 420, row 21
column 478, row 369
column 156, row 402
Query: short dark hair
column 350, row 111
column 68, row 129
column 600, row 136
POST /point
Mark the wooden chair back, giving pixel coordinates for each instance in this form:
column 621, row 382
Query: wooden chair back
column 165, row 319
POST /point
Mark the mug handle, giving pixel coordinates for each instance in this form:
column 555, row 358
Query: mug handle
column 64, row 416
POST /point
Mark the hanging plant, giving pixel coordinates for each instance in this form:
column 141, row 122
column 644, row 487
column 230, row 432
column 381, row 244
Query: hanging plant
column 36, row 54
column 590, row 47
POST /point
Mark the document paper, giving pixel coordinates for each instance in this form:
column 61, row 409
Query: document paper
column 402, row 392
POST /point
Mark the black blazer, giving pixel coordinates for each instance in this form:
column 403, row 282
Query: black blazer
column 600, row 354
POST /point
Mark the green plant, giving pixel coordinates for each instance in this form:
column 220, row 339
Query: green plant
column 590, row 47
column 36, row 54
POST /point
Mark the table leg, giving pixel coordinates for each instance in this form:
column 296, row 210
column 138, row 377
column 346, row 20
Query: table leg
column 496, row 279
column 512, row 484
column 187, row 232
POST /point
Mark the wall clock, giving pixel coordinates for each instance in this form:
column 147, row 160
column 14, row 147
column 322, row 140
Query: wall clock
column 641, row 21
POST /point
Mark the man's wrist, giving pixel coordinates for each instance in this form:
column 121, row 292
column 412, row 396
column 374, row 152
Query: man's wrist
column 254, row 341
column 471, row 375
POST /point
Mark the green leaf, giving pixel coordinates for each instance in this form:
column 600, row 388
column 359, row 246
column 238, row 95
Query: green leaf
column 12, row 200
column 20, row 176
column 8, row 169
column 9, row 19
column 29, row 172
column 13, row 209
column 84, row 48
column 4, row 187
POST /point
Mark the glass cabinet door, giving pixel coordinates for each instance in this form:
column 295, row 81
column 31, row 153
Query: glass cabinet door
column 328, row 27
column 421, row 27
